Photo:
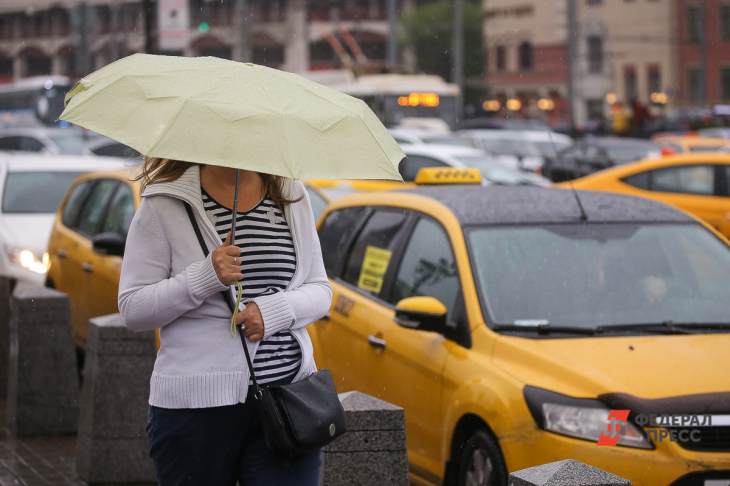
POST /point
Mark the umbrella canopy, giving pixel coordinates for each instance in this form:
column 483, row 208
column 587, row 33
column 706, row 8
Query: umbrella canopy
column 239, row 115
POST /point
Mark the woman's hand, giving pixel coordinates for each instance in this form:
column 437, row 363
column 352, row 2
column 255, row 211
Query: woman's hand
column 226, row 263
column 251, row 322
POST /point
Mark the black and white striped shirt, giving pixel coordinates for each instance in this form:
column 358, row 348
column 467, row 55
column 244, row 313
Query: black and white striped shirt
column 267, row 262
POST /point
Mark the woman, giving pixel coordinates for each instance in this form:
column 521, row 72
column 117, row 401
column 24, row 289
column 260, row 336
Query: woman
column 203, row 427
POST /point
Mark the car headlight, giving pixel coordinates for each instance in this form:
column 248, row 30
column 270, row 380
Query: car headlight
column 582, row 418
column 28, row 259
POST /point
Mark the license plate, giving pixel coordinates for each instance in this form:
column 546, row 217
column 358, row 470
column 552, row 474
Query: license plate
column 717, row 482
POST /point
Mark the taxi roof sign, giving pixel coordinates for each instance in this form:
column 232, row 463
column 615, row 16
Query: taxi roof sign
column 448, row 175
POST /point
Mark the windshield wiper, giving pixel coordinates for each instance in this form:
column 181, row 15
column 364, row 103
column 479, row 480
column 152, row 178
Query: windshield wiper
column 545, row 329
column 666, row 327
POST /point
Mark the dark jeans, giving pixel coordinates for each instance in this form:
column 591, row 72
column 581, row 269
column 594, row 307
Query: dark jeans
column 219, row 446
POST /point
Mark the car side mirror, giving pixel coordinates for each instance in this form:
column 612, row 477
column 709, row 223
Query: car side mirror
column 422, row 313
column 109, row 244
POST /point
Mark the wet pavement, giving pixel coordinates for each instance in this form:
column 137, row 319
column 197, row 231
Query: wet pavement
column 38, row 460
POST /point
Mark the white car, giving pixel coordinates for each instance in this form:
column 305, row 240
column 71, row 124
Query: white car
column 493, row 171
column 521, row 149
column 410, row 136
column 31, row 187
column 53, row 141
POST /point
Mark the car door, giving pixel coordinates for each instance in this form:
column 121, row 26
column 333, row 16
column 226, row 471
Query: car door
column 80, row 253
column 65, row 273
column 105, row 269
column 411, row 368
column 338, row 341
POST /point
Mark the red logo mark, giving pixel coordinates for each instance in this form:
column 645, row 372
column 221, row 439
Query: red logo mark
column 616, row 422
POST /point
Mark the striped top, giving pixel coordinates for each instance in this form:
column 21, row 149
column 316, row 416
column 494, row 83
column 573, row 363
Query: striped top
column 267, row 262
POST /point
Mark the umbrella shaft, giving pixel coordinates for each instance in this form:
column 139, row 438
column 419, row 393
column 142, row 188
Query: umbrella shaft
column 234, row 214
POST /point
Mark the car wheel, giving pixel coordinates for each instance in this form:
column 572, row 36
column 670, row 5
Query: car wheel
column 480, row 462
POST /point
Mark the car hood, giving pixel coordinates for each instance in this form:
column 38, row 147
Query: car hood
column 652, row 366
column 29, row 231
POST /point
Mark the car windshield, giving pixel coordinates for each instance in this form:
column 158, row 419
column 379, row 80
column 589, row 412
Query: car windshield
column 590, row 275
column 630, row 152
column 69, row 143
column 35, row 192
column 492, row 170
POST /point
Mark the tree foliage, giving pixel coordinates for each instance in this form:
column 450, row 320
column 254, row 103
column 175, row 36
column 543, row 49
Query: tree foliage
column 428, row 29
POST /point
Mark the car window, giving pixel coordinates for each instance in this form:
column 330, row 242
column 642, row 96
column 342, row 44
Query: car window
column 640, row 180
column 335, row 235
column 694, row 179
column 413, row 163
column 74, row 202
column 317, row 201
column 35, row 191
column 370, row 258
column 121, row 211
column 9, row 143
column 93, row 210
column 428, row 267
column 30, row 144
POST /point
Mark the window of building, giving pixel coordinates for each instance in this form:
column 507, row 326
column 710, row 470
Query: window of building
column 630, row 87
column 594, row 109
column 595, row 54
column 526, row 60
column 501, row 58
column 695, row 84
column 694, row 23
column 653, row 79
column 725, row 22
column 725, row 83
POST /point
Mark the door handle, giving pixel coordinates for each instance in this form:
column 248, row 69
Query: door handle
column 61, row 253
column 376, row 342
column 87, row 267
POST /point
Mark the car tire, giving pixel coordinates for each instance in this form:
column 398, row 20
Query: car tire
column 480, row 462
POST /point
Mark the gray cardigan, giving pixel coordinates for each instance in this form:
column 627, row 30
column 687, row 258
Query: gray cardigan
column 167, row 283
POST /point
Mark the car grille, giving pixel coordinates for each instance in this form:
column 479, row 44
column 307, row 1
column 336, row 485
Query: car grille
column 709, row 439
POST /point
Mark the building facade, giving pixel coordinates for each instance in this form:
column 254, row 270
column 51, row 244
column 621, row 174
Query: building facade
column 72, row 37
column 622, row 51
column 526, row 54
column 625, row 53
column 703, row 47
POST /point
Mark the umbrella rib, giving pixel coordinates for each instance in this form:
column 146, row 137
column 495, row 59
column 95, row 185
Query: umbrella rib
column 168, row 127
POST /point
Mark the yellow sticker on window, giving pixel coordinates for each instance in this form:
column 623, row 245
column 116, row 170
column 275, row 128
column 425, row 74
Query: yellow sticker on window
column 374, row 266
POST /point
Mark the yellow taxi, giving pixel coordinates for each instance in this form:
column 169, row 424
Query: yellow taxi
column 696, row 183
column 690, row 143
column 509, row 322
column 87, row 243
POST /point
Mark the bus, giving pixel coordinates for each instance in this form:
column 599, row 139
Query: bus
column 397, row 97
column 34, row 100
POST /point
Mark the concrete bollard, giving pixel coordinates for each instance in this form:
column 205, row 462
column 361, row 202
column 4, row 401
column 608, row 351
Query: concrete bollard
column 43, row 385
column 112, row 439
column 373, row 450
column 565, row 473
column 4, row 334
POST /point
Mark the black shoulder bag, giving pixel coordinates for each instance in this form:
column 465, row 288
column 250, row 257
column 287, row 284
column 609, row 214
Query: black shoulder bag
column 298, row 417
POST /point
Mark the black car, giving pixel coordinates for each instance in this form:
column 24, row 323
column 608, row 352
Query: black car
column 592, row 154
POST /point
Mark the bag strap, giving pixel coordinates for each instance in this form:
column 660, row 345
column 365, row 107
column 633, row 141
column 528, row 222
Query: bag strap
column 226, row 295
